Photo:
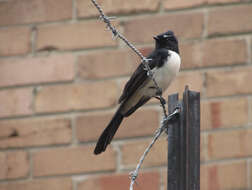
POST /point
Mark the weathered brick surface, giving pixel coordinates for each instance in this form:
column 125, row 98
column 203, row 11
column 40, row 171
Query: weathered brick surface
column 29, row 11
column 203, row 147
column 62, row 161
column 230, row 20
column 157, row 156
column 52, row 184
column 105, row 64
column 231, row 175
column 141, row 123
column 15, row 102
column 76, row 96
column 223, row 83
column 183, row 4
column 36, row 70
column 77, row 73
column 230, row 144
column 164, row 178
column 223, row 114
column 250, row 170
column 186, row 25
column 210, row 53
column 146, row 180
column 250, row 110
column 34, row 132
column 223, row 1
column 74, row 36
column 133, row 150
column 14, row 165
column 87, row 9
column 195, row 81
column 20, row 35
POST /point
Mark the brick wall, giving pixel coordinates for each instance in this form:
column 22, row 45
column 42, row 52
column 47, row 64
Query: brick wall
column 61, row 75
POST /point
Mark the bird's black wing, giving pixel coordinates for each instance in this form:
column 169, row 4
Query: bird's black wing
column 140, row 75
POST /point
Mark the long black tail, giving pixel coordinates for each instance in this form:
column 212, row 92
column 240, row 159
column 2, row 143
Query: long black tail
column 108, row 134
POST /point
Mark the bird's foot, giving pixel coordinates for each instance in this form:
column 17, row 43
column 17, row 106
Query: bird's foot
column 178, row 107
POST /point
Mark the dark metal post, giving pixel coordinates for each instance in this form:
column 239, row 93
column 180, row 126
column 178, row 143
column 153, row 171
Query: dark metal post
column 173, row 144
column 184, row 143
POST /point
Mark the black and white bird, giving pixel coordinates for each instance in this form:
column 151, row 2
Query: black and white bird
column 165, row 63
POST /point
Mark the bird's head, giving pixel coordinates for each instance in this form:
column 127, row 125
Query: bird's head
column 167, row 40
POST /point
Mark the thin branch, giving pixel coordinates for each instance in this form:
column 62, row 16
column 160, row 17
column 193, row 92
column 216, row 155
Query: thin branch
column 158, row 132
column 144, row 60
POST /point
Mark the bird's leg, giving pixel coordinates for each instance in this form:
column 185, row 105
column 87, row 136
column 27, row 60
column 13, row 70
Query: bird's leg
column 159, row 92
column 161, row 99
column 159, row 96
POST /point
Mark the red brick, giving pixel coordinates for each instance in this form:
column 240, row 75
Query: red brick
column 52, row 184
column 250, row 172
column 230, row 20
column 41, row 69
column 87, row 9
column 231, row 175
column 20, row 35
column 15, row 102
column 223, row 1
column 230, row 82
column 185, row 25
column 164, row 178
column 203, row 177
column 229, row 144
column 72, row 161
column 14, row 165
column 182, row 4
column 105, row 64
column 195, row 81
column 88, row 95
column 203, row 147
column 16, row 12
column 191, row 55
column 74, row 36
column 146, row 180
column 250, row 110
column 34, row 132
column 216, row 114
column 141, row 123
column 131, row 153
column 209, row 53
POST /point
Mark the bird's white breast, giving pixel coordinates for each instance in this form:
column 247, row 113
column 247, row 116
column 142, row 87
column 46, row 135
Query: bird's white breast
column 165, row 74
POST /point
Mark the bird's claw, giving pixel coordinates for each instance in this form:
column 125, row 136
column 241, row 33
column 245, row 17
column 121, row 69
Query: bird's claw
column 178, row 107
column 146, row 60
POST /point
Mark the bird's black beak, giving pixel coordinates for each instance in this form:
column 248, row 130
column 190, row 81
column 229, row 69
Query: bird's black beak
column 155, row 38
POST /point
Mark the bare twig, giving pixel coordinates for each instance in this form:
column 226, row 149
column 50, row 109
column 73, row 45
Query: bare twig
column 158, row 132
column 145, row 61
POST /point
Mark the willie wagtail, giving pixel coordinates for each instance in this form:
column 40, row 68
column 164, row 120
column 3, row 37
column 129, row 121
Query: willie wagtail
column 165, row 64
